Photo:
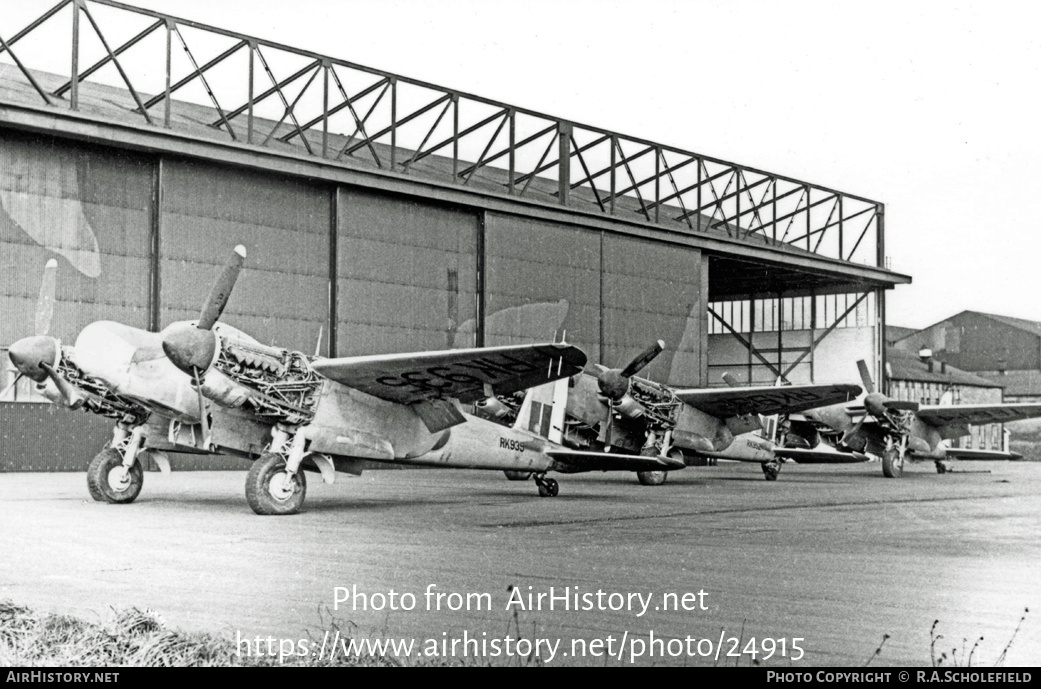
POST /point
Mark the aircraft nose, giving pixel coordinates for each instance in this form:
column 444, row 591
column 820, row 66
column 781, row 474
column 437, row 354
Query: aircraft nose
column 190, row 348
column 29, row 352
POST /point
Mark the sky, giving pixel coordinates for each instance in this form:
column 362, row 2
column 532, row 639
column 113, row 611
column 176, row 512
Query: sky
column 929, row 108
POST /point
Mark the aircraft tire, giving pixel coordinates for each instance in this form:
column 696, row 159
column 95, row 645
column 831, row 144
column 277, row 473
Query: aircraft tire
column 107, row 482
column 512, row 475
column 268, row 498
column 651, row 478
column 548, row 488
column 892, row 463
column 770, row 470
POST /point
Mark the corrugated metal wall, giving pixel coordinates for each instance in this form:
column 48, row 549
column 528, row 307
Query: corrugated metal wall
column 406, row 276
column 282, row 296
column 43, row 437
column 90, row 209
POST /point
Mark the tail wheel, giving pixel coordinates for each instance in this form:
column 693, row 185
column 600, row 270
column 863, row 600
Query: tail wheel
column 517, row 475
column 270, row 490
column 651, row 478
column 770, row 470
column 548, row 488
column 109, row 481
column 892, row 462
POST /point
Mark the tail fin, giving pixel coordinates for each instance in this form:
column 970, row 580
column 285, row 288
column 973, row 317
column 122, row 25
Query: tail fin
column 542, row 411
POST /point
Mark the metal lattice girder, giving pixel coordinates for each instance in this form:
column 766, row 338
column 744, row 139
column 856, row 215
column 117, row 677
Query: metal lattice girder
column 322, row 107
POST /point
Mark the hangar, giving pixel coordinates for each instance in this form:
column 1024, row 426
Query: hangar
column 387, row 214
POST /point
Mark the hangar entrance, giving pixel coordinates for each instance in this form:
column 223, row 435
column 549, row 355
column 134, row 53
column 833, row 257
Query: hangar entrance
column 764, row 325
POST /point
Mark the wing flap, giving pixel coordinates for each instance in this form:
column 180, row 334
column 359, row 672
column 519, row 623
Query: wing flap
column 464, row 374
column 975, row 414
column 575, row 461
column 727, row 402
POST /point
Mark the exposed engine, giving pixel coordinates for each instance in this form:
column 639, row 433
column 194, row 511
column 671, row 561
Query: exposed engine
column 655, row 404
column 281, row 385
column 101, row 399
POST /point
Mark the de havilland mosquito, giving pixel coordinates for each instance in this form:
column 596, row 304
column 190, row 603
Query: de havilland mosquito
column 613, row 409
column 205, row 386
column 899, row 430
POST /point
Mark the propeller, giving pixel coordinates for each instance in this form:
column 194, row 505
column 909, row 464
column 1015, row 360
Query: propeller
column 35, row 357
column 192, row 348
column 614, row 382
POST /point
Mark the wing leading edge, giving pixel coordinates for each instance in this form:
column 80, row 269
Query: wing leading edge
column 727, row 402
column 974, row 414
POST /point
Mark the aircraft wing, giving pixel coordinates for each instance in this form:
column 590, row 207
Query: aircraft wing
column 936, row 415
column 726, row 402
column 806, row 456
column 463, row 374
column 575, row 461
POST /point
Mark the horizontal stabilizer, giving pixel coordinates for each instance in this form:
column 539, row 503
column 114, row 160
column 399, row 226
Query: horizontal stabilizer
column 803, row 456
column 981, row 455
column 575, row 461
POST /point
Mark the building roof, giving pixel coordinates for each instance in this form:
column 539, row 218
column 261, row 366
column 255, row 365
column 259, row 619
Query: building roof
column 1016, row 383
column 895, row 333
column 1032, row 327
column 909, row 366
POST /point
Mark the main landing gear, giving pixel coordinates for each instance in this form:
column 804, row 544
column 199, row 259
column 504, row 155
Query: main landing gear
column 942, row 467
column 771, row 469
column 276, row 484
column 270, row 489
column 893, row 457
column 548, row 488
column 115, row 475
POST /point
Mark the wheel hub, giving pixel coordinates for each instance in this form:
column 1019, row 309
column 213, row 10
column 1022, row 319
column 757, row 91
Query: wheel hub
column 119, row 478
column 281, row 486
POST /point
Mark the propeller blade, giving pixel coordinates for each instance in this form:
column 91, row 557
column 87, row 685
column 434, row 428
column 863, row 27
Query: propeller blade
column 865, row 376
column 71, row 395
column 848, row 436
column 45, row 302
column 730, row 380
column 221, row 292
column 642, row 359
column 11, row 386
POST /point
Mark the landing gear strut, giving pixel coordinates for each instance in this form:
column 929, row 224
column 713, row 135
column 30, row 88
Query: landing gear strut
column 115, row 475
column 548, row 488
column 110, row 481
column 771, row 469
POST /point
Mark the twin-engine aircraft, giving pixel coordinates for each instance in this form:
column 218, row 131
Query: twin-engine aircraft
column 613, row 410
column 290, row 411
column 899, row 431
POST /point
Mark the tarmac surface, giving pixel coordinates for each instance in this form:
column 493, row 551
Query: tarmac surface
column 838, row 557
